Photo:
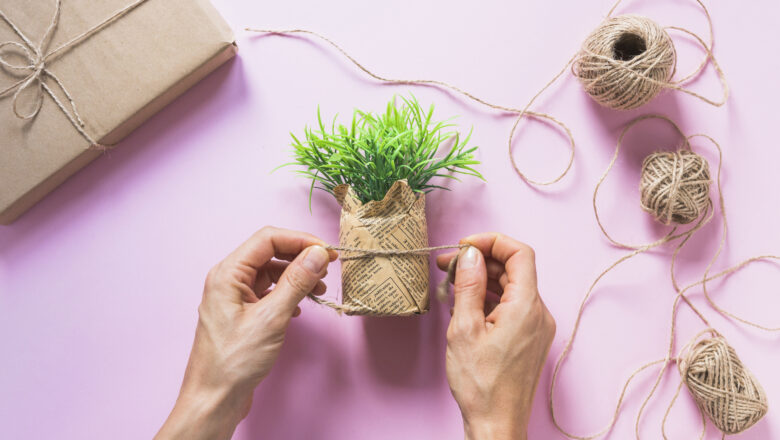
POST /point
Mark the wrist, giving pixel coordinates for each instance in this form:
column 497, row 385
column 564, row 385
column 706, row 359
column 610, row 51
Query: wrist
column 204, row 414
column 493, row 430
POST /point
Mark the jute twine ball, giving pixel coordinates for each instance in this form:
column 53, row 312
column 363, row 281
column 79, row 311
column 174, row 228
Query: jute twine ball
column 675, row 186
column 620, row 57
column 722, row 387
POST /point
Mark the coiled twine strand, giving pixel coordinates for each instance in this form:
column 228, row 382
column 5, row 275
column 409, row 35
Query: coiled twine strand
column 625, row 62
column 675, row 186
column 725, row 391
column 722, row 387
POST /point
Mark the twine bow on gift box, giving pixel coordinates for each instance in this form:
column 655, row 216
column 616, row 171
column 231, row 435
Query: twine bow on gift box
column 35, row 70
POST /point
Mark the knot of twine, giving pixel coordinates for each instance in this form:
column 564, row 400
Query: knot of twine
column 675, row 186
column 722, row 387
column 34, row 68
column 625, row 62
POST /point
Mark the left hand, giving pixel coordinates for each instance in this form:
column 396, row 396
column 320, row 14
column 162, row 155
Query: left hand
column 241, row 327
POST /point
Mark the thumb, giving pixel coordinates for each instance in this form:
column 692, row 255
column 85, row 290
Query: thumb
column 470, row 287
column 299, row 278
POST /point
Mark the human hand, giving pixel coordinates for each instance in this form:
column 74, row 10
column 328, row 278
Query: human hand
column 497, row 342
column 241, row 327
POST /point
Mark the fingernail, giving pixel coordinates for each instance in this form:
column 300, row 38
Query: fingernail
column 316, row 259
column 468, row 259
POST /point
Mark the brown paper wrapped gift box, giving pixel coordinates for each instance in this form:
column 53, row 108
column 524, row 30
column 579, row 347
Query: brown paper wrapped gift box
column 117, row 78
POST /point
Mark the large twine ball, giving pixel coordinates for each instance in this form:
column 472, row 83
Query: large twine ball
column 618, row 60
column 722, row 387
column 675, row 186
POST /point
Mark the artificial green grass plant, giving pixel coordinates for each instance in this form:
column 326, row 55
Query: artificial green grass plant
column 378, row 149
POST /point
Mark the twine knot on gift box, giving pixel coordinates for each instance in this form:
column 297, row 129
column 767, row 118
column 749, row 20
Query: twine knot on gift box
column 35, row 70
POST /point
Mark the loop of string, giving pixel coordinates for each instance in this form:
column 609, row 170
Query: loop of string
column 637, row 75
column 521, row 112
column 673, row 235
column 34, row 72
column 525, row 112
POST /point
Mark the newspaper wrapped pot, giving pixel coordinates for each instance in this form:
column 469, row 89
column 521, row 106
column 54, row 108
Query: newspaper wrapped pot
column 384, row 285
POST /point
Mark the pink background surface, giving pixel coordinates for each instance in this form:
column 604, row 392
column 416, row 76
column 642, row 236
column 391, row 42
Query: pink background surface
column 100, row 282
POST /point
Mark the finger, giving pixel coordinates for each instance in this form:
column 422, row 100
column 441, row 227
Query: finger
column 513, row 313
column 443, row 260
column 495, row 287
column 490, row 296
column 299, row 279
column 495, row 268
column 470, row 287
column 271, row 273
column 490, row 306
column 269, row 241
column 520, row 278
column 320, row 288
column 285, row 256
column 494, row 245
column 518, row 258
column 297, row 312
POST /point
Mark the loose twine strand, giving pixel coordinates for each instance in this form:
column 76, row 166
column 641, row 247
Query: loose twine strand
column 522, row 112
column 360, row 253
column 34, row 72
column 630, row 76
column 731, row 419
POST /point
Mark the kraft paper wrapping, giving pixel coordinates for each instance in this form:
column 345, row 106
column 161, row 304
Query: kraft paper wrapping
column 384, row 285
column 118, row 78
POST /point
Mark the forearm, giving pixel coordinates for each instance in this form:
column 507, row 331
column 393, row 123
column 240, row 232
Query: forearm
column 202, row 416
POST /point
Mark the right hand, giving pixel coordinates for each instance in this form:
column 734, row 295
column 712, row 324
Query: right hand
column 496, row 343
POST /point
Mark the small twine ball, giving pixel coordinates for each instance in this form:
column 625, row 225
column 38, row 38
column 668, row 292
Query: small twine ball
column 675, row 186
column 722, row 387
column 617, row 59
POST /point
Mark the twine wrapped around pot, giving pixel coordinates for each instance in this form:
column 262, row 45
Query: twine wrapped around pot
column 384, row 268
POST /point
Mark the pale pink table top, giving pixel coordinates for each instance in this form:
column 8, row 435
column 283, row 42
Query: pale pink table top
column 100, row 282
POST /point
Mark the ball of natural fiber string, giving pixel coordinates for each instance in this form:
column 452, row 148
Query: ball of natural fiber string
column 722, row 387
column 625, row 62
column 675, row 186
